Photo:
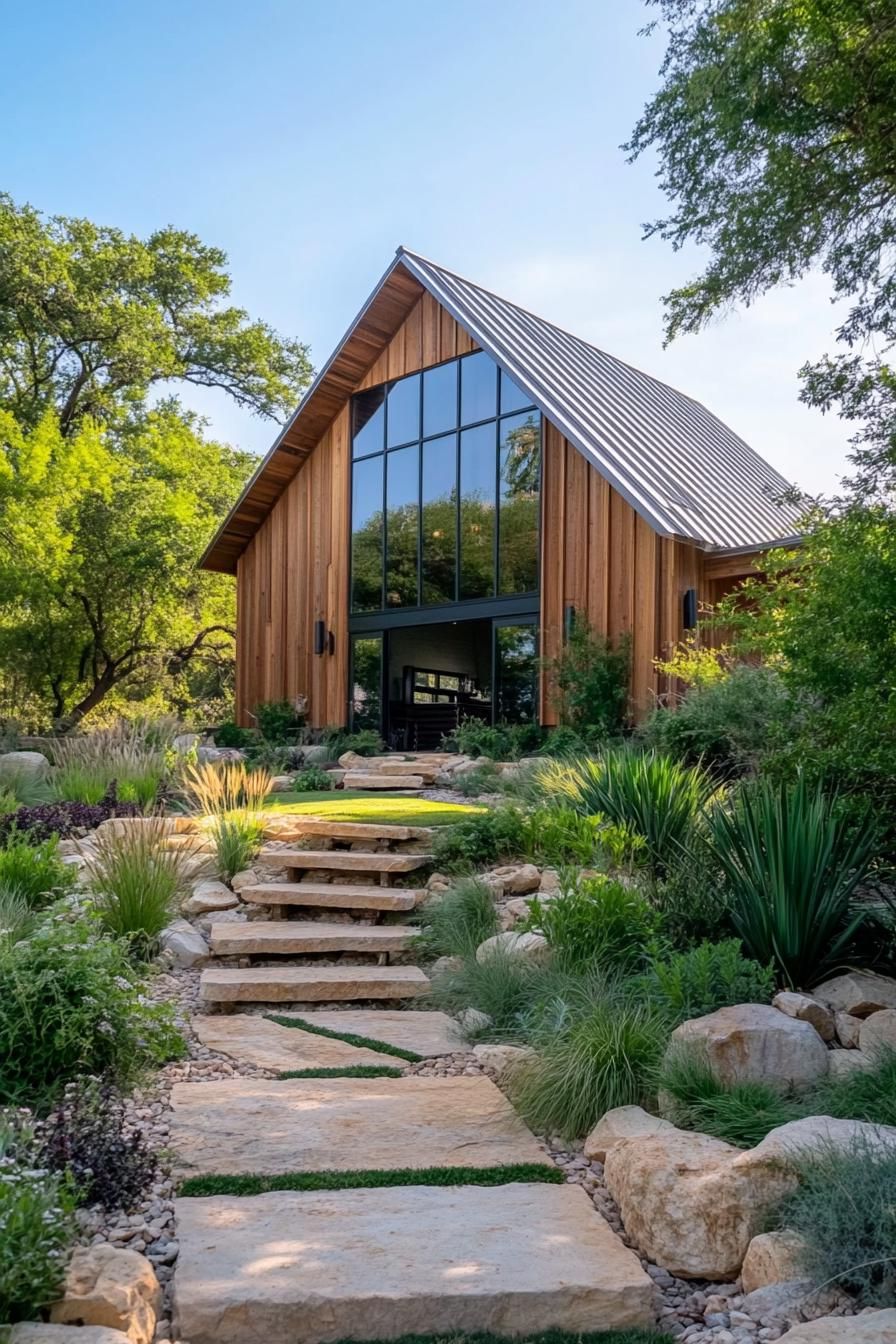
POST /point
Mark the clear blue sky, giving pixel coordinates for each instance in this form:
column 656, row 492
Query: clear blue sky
column 309, row 140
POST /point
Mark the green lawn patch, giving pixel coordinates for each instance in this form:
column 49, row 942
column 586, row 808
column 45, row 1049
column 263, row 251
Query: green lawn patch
column 358, row 805
column 543, row 1337
column 349, row 1037
column 199, row 1186
column 348, row 1071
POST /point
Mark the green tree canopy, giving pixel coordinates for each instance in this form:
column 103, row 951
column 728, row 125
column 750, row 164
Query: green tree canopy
column 109, row 488
column 775, row 126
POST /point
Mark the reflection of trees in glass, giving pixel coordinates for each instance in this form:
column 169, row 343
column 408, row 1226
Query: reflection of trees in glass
column 367, row 564
column 515, row 672
column 519, row 503
column 367, row 662
column 439, row 561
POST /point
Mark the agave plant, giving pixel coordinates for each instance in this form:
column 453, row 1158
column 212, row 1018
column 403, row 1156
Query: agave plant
column 792, row 867
column 648, row 793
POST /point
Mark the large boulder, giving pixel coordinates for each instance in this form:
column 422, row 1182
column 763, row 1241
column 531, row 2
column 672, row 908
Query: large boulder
column 115, row 1288
column 878, row 1032
column 623, row 1122
column 873, row 1327
column 753, row 1042
column 848, row 1029
column 686, row 1205
column 185, row 945
column 530, row 947
column 502, row 1060
column 816, row 1134
column 209, row 895
column 25, row 762
column 805, row 1008
column 772, row 1257
column 517, row 879
column 860, row 993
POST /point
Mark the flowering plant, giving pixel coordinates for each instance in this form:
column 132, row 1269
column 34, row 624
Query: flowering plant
column 36, row 1222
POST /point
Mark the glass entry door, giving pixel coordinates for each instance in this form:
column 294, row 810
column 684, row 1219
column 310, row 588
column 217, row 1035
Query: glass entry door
column 515, row 671
column 366, row 686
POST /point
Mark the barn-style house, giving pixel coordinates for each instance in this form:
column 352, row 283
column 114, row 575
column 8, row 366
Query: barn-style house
column 462, row 481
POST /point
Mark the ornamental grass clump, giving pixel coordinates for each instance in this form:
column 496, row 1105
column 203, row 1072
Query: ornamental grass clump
column 71, row 1003
column 127, row 759
column 137, row 883
column 37, row 1227
column 233, row 799
column 791, row 867
column 459, row 920
column 651, row 795
column 738, row 1113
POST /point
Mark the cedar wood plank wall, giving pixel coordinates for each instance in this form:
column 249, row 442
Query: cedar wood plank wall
column 597, row 555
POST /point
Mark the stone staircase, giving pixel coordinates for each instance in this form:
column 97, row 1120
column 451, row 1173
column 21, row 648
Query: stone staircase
column 408, row 772
column 347, row 876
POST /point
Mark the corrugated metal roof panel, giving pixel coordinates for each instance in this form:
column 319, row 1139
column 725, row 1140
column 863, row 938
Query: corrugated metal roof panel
column 684, row 471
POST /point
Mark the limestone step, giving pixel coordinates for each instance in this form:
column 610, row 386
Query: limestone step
column 358, row 779
column 250, row 1038
column 343, row 860
column 264, row 1126
column 333, row 896
column 310, row 984
column 299, row 825
column 313, row 1267
column 296, row 937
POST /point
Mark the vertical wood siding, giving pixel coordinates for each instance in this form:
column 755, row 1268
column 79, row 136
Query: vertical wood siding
column 597, row 555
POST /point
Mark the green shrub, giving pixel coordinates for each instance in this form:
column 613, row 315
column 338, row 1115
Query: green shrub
column 739, row 1113
column 501, row 742
column 278, row 720
column 312, row 779
column 555, row 836
column 705, row 978
column 590, row 678
column 791, row 866
column 692, row 897
column 653, row 795
column 844, row 1211
column 726, row 725
column 480, row 840
column 229, row 734
column 459, row 920
column 35, row 872
column 605, row 1058
column 71, row 1002
column 36, row 1221
column 596, row 921
column 486, row 778
column 364, row 742
column 137, row 883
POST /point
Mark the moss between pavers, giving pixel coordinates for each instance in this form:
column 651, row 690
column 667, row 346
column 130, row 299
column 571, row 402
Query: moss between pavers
column 545, row 1337
column 201, row 1186
column 384, row 1048
column 347, row 1071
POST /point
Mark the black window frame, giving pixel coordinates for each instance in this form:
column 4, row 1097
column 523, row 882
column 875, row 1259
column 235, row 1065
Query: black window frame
column 382, row 453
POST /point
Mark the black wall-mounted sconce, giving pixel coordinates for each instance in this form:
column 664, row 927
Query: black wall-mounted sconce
column 569, row 620
column 324, row 639
column 690, row 609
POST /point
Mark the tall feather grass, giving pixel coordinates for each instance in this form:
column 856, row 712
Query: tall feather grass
column 791, row 866
column 461, row 919
column 233, row 799
column 128, row 756
column 138, row 883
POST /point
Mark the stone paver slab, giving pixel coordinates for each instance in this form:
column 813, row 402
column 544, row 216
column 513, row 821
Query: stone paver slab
column 310, row 984
column 312, row 1268
column 333, row 896
column 425, row 1033
column 299, row 937
column 251, row 1039
column 343, row 860
column 268, row 1127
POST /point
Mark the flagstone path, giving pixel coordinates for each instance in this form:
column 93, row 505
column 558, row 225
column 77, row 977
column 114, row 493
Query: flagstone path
column 303, row 1266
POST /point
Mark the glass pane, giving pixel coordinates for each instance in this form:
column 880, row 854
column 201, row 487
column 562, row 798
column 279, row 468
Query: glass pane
column 520, row 450
column 403, row 411
column 513, row 398
column 439, row 519
column 440, row 399
column 367, row 535
column 368, row 422
column 478, row 389
column 477, row 512
column 516, row 670
column 402, row 493
column 367, row 680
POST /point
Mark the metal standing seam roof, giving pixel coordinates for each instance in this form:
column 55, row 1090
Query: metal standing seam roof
column 680, row 467
column 676, row 463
